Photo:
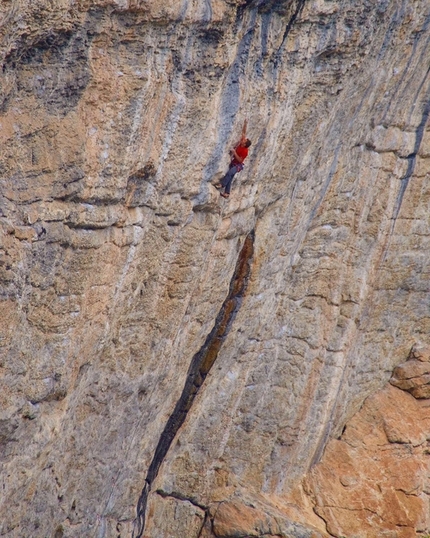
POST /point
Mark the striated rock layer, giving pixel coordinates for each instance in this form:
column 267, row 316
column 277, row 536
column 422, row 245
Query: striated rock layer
column 172, row 364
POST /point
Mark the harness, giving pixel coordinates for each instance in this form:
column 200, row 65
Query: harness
column 238, row 166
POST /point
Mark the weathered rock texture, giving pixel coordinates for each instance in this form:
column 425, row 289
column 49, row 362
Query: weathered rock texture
column 374, row 480
column 414, row 375
column 118, row 257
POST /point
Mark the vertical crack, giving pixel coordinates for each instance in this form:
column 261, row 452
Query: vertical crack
column 296, row 13
column 199, row 368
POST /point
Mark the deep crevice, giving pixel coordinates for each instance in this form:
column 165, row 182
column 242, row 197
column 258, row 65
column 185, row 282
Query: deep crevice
column 298, row 10
column 296, row 13
column 180, row 497
column 199, row 368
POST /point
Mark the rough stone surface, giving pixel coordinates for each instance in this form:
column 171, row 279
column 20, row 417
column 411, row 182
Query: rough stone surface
column 414, row 375
column 174, row 517
column 239, row 519
column 419, row 352
column 374, row 480
column 117, row 253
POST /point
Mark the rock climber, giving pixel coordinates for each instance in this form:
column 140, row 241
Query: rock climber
column 238, row 154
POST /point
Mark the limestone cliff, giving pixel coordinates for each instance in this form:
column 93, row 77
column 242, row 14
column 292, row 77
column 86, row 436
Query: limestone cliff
column 173, row 365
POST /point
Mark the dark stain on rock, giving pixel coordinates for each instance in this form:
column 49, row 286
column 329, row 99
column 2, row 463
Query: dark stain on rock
column 200, row 366
column 211, row 36
column 53, row 68
column 137, row 183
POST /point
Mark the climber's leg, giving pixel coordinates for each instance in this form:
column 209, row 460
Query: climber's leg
column 228, row 178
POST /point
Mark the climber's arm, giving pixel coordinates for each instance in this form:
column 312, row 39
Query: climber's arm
column 242, row 136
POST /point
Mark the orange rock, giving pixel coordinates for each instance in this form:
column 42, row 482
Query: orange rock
column 420, row 352
column 414, row 377
column 410, row 369
column 372, row 482
column 237, row 519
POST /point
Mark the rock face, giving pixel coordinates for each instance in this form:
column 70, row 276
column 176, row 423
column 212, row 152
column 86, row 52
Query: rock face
column 374, row 480
column 172, row 364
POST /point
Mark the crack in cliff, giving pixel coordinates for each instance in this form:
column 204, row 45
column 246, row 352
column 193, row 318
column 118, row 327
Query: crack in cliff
column 199, row 368
column 296, row 13
column 181, row 497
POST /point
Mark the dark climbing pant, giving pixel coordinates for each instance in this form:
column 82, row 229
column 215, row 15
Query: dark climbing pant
column 228, row 178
